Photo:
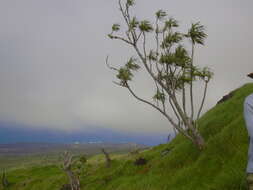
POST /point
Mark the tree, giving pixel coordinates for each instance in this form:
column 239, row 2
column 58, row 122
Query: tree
column 170, row 65
column 5, row 182
column 107, row 158
column 67, row 167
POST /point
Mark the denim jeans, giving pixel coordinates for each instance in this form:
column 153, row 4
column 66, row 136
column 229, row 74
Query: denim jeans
column 248, row 116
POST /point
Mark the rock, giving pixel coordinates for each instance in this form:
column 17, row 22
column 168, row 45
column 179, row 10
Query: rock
column 140, row 161
column 66, row 187
column 226, row 97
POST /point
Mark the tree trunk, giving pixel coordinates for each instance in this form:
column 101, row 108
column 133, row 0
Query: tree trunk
column 198, row 140
column 107, row 157
column 74, row 181
column 5, row 182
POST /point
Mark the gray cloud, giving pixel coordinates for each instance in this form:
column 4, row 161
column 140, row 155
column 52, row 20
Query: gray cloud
column 52, row 54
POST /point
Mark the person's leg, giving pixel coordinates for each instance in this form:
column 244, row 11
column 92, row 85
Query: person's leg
column 248, row 116
column 250, row 166
column 250, row 181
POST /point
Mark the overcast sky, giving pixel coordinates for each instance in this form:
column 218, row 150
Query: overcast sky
column 52, row 60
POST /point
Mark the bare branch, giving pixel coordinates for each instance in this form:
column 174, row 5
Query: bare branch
column 160, row 110
column 127, row 18
column 120, row 38
column 107, row 64
column 73, row 179
column 139, row 37
column 144, row 46
column 191, row 85
column 107, row 158
column 203, row 100
column 174, row 110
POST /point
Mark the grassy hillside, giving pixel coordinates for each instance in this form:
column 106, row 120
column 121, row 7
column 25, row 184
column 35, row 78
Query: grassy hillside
column 221, row 166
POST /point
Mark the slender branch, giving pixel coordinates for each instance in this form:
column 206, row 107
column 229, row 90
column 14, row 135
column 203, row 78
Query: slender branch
column 121, row 38
column 160, row 110
column 134, row 36
column 203, row 100
column 107, row 64
column 180, row 111
column 126, row 19
column 183, row 95
column 184, row 118
column 191, row 84
column 157, row 45
column 144, row 45
column 163, row 102
column 138, row 37
column 174, row 110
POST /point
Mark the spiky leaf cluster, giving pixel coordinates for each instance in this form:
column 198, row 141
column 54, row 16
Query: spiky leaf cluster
column 133, row 23
column 160, row 15
column 204, row 74
column 169, row 24
column 168, row 58
column 125, row 73
column 185, row 78
column 130, row 3
column 178, row 58
column 197, row 33
column 115, row 27
column 159, row 96
column 152, row 56
column 131, row 64
column 181, row 57
column 145, row 26
column 171, row 39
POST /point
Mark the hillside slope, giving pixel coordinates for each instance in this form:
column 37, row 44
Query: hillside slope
column 221, row 166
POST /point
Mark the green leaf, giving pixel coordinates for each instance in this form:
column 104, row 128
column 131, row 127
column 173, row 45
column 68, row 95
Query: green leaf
column 130, row 3
column 197, row 33
column 124, row 74
column 160, row 14
column 133, row 23
column 131, row 65
column 167, row 58
column 171, row 39
column 110, row 36
column 152, row 56
column 159, row 96
column 170, row 24
column 181, row 57
column 205, row 74
column 145, row 26
column 115, row 27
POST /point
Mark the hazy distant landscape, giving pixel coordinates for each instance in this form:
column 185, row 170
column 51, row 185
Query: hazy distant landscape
column 221, row 166
column 19, row 155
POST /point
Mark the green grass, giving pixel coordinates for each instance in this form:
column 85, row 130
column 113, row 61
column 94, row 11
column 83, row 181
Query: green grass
column 8, row 162
column 220, row 166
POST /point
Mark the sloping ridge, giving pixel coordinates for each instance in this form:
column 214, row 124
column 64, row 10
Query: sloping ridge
column 221, row 166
